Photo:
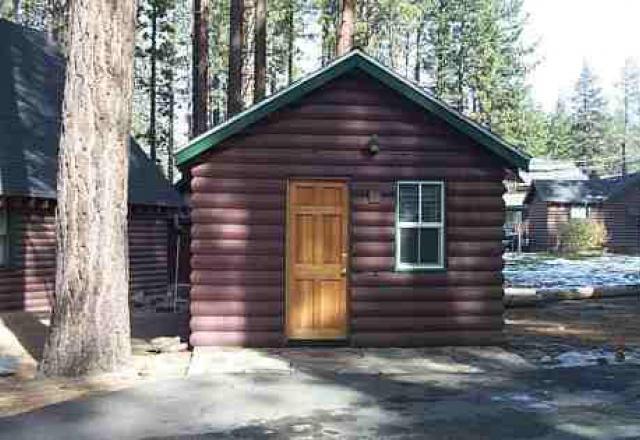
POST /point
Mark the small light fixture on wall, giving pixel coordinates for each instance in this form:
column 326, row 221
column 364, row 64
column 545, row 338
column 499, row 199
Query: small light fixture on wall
column 373, row 146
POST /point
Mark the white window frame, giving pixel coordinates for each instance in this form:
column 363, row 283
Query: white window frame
column 419, row 224
column 581, row 207
column 4, row 235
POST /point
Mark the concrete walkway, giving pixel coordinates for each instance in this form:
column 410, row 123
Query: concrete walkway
column 490, row 398
column 388, row 361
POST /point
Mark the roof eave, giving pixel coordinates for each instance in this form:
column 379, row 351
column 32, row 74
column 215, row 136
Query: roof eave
column 513, row 158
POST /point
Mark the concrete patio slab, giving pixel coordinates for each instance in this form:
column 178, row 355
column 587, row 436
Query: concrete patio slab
column 374, row 361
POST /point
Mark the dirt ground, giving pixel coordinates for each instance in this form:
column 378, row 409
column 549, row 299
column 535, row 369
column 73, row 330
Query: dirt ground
column 22, row 339
column 531, row 332
column 601, row 323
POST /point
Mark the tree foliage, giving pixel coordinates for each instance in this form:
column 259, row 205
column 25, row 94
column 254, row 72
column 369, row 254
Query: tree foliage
column 589, row 117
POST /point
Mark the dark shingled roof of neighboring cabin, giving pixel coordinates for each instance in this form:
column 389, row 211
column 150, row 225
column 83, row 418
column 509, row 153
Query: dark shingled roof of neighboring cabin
column 582, row 191
column 31, row 88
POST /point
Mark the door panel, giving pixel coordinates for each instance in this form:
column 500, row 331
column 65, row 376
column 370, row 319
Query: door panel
column 317, row 253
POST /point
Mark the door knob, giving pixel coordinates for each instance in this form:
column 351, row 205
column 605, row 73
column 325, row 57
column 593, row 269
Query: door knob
column 343, row 271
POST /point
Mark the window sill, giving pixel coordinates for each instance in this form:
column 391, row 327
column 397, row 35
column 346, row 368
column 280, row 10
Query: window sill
column 408, row 269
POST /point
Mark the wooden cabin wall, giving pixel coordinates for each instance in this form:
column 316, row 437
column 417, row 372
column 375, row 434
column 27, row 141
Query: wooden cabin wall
column 238, row 213
column 149, row 253
column 622, row 227
column 545, row 220
column 29, row 281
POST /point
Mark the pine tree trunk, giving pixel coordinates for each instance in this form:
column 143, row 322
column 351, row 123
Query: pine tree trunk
column 260, row 47
column 418, row 67
column 171, row 140
column 200, row 104
column 236, row 39
column 17, row 11
column 153, row 141
column 90, row 322
column 347, row 27
column 291, row 34
column 57, row 16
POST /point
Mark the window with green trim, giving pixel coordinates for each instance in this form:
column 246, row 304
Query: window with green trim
column 420, row 225
column 4, row 237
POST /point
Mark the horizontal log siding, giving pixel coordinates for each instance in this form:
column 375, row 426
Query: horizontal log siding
column 546, row 219
column 239, row 215
column 622, row 227
column 29, row 282
column 148, row 253
column 543, row 225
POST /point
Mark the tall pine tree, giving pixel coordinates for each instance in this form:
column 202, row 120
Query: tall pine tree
column 589, row 117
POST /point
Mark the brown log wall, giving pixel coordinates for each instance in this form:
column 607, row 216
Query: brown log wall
column 239, row 210
column 29, row 281
column 545, row 220
column 622, row 227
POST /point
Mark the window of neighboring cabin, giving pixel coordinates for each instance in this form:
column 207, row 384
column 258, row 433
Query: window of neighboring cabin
column 579, row 212
column 420, row 225
column 4, row 237
column 513, row 217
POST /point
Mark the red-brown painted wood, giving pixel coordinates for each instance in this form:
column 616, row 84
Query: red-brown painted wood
column 239, row 227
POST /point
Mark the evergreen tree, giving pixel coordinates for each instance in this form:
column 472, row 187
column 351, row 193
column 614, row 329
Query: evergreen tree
column 589, row 117
column 627, row 113
column 560, row 141
column 155, row 78
column 236, row 50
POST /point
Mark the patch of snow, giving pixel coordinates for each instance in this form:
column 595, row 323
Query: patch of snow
column 572, row 359
column 9, row 365
column 540, row 271
column 526, row 401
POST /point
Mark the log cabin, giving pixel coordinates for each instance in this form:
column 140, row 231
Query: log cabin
column 31, row 89
column 352, row 207
column 613, row 202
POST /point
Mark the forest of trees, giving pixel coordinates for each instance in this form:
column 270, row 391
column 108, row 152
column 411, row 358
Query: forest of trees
column 471, row 53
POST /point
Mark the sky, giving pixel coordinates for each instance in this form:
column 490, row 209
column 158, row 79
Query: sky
column 601, row 32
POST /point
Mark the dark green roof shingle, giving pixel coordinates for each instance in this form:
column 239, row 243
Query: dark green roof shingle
column 31, row 88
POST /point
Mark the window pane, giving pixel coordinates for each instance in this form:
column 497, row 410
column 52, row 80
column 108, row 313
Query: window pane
column 578, row 212
column 408, row 203
column 430, row 246
column 409, row 245
column 431, row 201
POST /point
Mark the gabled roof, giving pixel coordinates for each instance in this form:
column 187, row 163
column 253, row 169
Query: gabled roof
column 568, row 191
column 550, row 169
column 618, row 186
column 582, row 191
column 32, row 74
column 355, row 59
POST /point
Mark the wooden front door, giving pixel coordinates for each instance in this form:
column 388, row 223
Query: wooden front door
column 317, row 257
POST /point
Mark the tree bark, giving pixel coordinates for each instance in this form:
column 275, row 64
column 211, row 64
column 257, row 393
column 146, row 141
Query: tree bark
column 17, row 11
column 347, row 27
column 200, row 104
column 291, row 34
column 57, row 16
column 90, row 322
column 236, row 38
column 153, row 138
column 260, row 52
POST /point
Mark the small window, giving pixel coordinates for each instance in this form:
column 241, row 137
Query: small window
column 420, row 225
column 579, row 212
column 4, row 237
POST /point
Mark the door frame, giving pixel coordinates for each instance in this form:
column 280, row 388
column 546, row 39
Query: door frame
column 287, row 260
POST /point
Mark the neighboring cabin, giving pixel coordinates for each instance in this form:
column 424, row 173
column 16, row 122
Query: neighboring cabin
column 615, row 202
column 31, row 89
column 518, row 187
column 351, row 207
